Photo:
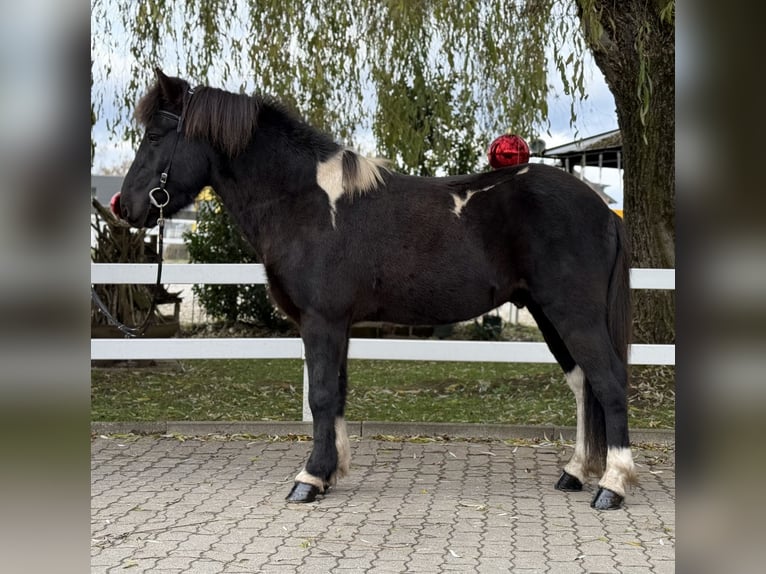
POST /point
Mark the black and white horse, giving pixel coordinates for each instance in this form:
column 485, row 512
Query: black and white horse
column 345, row 239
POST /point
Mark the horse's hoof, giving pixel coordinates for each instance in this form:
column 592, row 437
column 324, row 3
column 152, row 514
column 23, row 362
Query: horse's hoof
column 568, row 483
column 303, row 492
column 606, row 499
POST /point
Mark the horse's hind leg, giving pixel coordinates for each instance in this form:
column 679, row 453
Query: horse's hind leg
column 607, row 403
column 620, row 470
column 576, row 470
column 580, row 342
column 326, row 345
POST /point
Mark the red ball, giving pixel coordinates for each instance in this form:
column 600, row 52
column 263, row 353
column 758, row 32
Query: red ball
column 508, row 149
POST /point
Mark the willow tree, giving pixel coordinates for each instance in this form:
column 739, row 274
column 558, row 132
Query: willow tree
column 433, row 81
column 633, row 43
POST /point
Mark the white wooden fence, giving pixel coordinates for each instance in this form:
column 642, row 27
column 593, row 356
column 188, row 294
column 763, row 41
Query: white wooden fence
column 292, row 348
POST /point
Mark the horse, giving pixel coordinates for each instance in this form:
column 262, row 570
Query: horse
column 345, row 238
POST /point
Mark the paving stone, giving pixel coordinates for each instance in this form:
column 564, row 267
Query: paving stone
column 566, row 567
column 163, row 506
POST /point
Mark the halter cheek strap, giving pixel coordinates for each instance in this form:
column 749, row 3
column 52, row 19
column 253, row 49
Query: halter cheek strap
column 163, row 201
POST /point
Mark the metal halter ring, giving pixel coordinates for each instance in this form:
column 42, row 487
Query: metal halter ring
column 154, row 200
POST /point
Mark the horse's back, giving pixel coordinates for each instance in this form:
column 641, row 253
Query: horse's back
column 534, row 185
column 518, row 207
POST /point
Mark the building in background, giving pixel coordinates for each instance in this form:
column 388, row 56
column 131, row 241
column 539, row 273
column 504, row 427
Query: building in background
column 597, row 160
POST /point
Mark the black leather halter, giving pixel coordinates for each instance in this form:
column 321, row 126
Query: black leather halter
column 160, row 203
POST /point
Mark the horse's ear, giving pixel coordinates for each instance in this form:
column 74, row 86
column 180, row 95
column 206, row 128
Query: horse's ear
column 170, row 88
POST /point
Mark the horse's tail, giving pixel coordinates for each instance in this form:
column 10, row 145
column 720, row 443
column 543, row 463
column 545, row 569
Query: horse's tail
column 619, row 310
column 619, row 322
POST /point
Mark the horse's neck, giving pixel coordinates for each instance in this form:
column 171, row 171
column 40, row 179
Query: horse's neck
column 240, row 201
column 263, row 210
column 253, row 186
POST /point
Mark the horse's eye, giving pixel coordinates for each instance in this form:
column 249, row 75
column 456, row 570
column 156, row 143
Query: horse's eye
column 153, row 138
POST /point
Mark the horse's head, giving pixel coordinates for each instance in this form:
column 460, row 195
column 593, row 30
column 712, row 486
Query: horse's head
column 169, row 169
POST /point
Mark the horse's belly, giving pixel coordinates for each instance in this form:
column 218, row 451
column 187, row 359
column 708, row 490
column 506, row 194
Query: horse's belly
column 440, row 302
column 429, row 316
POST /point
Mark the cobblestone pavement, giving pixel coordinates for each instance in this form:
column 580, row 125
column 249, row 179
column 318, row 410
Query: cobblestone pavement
column 167, row 505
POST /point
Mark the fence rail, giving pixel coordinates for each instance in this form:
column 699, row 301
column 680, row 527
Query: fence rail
column 236, row 273
column 292, row 348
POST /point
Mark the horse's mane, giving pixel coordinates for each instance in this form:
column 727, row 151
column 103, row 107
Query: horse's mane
column 225, row 119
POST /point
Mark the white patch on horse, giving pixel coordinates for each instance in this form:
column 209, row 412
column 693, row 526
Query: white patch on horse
column 460, row 203
column 330, row 176
column 577, row 464
column 367, row 176
column 522, row 171
column 620, row 470
column 361, row 175
column 305, row 476
column 343, row 447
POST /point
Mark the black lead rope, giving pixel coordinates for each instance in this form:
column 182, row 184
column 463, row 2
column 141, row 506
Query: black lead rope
column 138, row 331
column 141, row 329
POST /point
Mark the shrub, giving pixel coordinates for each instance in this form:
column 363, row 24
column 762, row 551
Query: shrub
column 217, row 239
column 490, row 328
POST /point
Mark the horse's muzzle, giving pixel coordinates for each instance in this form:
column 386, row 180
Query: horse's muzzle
column 115, row 205
column 120, row 211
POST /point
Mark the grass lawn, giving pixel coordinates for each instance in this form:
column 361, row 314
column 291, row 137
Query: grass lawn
column 252, row 390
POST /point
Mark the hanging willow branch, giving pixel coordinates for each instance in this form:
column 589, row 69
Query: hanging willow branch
column 408, row 72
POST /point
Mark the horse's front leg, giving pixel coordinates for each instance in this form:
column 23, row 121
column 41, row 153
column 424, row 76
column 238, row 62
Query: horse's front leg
column 326, row 345
column 342, row 444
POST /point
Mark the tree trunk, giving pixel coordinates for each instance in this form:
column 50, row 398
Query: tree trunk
column 635, row 43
